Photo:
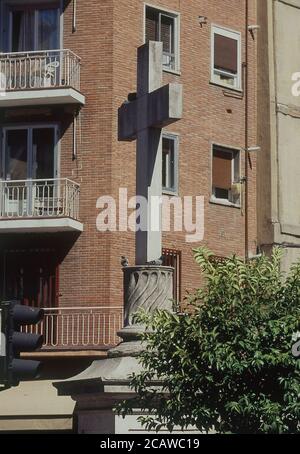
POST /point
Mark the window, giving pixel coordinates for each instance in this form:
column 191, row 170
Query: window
column 170, row 154
column 29, row 153
column 226, row 175
column 29, row 165
column 31, row 277
column 33, row 28
column 173, row 258
column 163, row 26
column 226, row 58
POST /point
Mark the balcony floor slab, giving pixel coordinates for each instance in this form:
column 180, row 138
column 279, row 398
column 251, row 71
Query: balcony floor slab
column 51, row 96
column 47, row 225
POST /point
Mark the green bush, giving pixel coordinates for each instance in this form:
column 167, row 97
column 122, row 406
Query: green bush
column 226, row 365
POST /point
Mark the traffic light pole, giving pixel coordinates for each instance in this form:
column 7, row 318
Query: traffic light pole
column 13, row 369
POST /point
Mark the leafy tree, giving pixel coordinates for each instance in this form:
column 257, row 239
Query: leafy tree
column 225, row 365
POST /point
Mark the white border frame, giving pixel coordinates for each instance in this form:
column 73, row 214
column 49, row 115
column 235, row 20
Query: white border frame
column 223, row 31
column 232, row 149
column 175, row 15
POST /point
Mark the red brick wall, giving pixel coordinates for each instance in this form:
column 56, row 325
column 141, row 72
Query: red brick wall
column 84, row 278
column 108, row 34
column 206, row 120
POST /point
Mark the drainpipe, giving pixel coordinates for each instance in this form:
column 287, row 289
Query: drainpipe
column 74, row 136
column 74, row 19
column 246, row 133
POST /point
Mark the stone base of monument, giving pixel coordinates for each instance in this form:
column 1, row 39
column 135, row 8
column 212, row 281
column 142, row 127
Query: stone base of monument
column 98, row 389
column 146, row 288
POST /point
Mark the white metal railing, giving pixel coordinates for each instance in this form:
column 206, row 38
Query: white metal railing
column 40, row 69
column 39, row 198
column 79, row 327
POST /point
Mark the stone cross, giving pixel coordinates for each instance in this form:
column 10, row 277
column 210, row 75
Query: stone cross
column 143, row 119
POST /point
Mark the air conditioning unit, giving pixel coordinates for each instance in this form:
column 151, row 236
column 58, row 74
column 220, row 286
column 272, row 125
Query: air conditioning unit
column 167, row 60
column 235, row 192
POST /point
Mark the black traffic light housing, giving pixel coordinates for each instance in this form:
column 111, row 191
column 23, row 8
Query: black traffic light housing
column 12, row 368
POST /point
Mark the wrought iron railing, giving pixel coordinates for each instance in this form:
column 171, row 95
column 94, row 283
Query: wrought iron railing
column 79, row 328
column 39, row 70
column 39, row 198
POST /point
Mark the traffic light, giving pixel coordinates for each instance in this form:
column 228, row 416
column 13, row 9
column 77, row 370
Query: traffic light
column 13, row 316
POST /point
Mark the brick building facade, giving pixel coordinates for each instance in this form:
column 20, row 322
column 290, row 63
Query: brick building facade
column 210, row 51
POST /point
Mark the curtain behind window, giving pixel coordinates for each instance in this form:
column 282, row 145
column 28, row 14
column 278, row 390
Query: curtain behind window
column 25, row 36
column 22, row 33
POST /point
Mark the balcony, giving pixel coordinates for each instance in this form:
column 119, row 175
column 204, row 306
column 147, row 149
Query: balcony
column 40, row 78
column 79, row 328
column 39, row 206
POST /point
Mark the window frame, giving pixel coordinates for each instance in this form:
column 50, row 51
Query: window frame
column 175, row 138
column 237, row 36
column 234, row 166
column 173, row 258
column 30, row 127
column 176, row 16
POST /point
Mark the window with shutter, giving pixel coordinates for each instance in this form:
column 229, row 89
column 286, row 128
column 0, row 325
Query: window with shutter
column 222, row 172
column 163, row 26
column 225, row 174
column 226, row 57
column 226, row 53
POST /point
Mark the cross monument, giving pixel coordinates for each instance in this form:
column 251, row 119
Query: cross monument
column 143, row 120
column 148, row 286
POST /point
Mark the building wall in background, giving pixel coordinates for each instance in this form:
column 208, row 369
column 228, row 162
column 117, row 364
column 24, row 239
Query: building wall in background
column 278, row 128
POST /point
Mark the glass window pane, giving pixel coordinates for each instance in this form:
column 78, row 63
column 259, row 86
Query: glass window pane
column 48, row 29
column 16, row 158
column 221, row 193
column 169, row 164
column 167, row 33
column 172, row 165
column 151, row 25
column 17, row 33
column 22, row 31
column 160, row 26
column 164, row 169
column 43, row 142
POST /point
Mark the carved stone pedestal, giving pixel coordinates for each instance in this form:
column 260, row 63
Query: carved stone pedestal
column 146, row 288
